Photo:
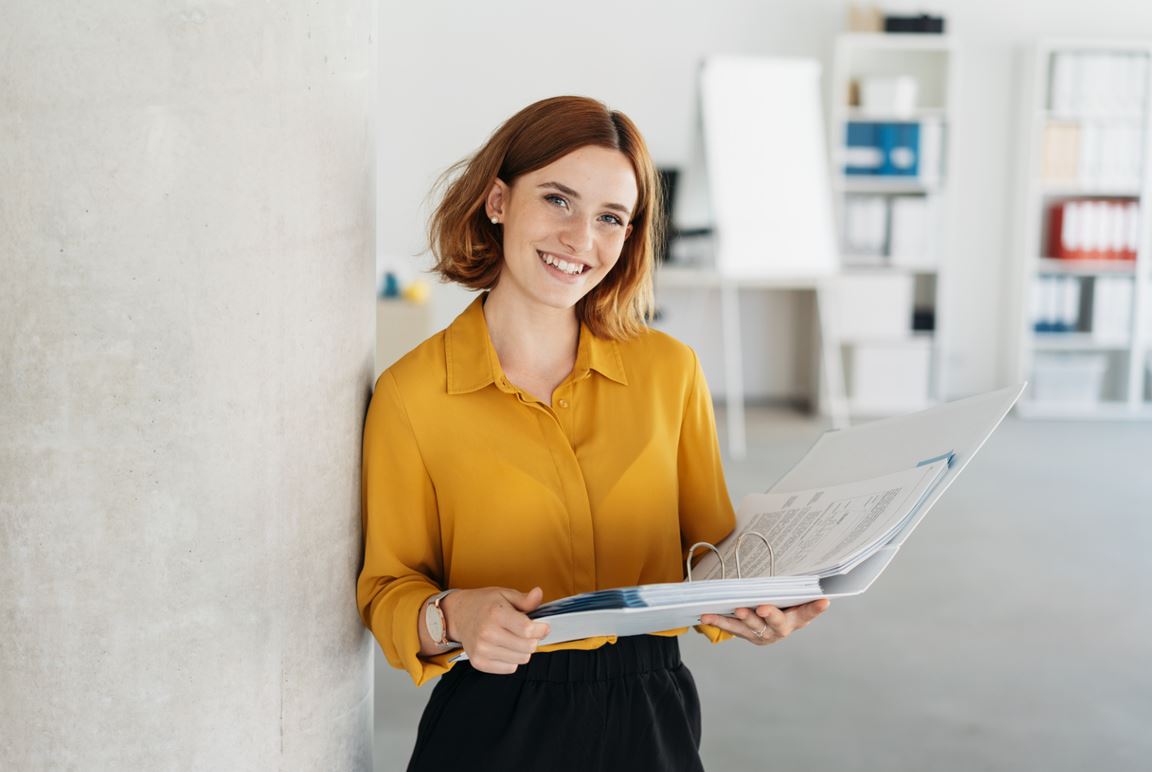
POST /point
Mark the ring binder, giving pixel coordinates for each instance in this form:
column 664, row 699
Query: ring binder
column 709, row 545
column 723, row 565
column 771, row 553
column 884, row 456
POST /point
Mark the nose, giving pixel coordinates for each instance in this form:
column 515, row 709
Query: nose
column 577, row 234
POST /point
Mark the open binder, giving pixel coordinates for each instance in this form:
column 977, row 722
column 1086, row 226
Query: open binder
column 827, row 529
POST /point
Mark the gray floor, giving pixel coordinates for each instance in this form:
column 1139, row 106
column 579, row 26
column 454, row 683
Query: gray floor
column 1013, row 631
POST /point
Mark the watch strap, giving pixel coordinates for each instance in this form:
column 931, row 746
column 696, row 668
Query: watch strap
column 435, row 602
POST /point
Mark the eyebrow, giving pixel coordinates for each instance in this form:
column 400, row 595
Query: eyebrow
column 569, row 192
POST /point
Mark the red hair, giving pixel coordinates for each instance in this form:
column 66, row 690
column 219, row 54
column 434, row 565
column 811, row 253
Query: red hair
column 468, row 247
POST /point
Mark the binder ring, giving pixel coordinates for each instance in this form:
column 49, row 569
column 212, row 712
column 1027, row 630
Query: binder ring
column 692, row 549
column 771, row 553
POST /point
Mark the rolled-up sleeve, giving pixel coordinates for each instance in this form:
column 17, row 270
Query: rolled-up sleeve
column 402, row 551
column 705, row 508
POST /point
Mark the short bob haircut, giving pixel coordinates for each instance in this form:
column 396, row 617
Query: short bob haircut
column 468, row 247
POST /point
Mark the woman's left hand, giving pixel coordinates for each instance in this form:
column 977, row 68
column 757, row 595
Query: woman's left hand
column 767, row 624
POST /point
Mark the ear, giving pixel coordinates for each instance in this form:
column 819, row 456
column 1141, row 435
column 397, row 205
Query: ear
column 496, row 204
column 628, row 231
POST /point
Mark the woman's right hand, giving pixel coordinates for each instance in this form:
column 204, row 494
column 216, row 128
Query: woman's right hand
column 493, row 626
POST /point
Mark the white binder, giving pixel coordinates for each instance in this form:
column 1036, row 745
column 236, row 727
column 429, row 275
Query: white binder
column 864, row 453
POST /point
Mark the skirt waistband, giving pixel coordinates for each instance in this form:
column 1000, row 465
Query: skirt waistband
column 630, row 655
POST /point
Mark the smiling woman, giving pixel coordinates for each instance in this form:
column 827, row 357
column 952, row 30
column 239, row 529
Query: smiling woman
column 468, row 233
column 547, row 443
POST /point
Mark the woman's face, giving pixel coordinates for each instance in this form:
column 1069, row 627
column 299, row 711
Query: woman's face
column 564, row 225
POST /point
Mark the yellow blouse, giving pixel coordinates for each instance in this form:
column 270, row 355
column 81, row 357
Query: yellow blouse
column 470, row 482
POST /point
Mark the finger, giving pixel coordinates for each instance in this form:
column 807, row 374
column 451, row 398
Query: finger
column 818, row 606
column 814, row 607
column 802, row 615
column 490, row 654
column 496, row 666
column 735, row 626
column 525, row 601
column 741, row 616
column 777, row 620
column 761, row 631
column 495, row 638
column 519, row 624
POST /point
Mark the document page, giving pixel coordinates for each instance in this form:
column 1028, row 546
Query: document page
column 820, row 531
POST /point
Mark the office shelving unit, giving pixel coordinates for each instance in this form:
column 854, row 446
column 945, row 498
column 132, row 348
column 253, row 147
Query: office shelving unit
column 1085, row 144
column 900, row 366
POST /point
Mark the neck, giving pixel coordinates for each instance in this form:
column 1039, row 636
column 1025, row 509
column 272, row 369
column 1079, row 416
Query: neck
column 532, row 338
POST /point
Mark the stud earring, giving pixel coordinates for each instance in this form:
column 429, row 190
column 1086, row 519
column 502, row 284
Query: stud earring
column 495, row 221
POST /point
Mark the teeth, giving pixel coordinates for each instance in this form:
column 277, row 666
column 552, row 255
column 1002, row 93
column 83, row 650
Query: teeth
column 571, row 269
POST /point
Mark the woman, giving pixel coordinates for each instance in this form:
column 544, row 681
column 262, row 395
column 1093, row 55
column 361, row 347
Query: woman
column 546, row 443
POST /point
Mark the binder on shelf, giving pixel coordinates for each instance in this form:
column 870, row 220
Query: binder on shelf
column 1068, row 316
column 1094, row 229
column 1057, row 303
column 931, row 151
column 884, row 149
column 1061, row 153
column 864, row 153
column 910, row 241
column 1112, row 309
column 869, row 486
column 1085, row 158
column 903, row 149
column 1096, row 135
column 1098, row 83
column 865, row 225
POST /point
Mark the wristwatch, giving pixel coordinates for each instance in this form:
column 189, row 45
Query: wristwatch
column 434, row 621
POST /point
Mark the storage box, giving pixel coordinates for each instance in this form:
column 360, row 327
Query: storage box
column 889, row 378
column 888, row 95
column 874, row 306
column 1074, row 380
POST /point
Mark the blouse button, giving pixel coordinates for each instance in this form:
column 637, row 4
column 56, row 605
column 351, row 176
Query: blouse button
column 563, row 403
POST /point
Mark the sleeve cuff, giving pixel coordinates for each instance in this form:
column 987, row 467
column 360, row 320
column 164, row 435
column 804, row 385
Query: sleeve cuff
column 714, row 634
column 402, row 648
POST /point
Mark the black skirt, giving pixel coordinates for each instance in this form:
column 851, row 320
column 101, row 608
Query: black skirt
column 631, row 705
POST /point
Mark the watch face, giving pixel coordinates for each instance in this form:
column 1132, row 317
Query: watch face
column 434, row 618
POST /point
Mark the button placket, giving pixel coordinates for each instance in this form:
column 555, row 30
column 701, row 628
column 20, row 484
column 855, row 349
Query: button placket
column 574, row 491
column 563, row 400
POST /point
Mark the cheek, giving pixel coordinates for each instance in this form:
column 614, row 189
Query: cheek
column 612, row 258
column 613, row 249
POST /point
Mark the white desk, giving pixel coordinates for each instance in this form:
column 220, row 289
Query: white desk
column 832, row 384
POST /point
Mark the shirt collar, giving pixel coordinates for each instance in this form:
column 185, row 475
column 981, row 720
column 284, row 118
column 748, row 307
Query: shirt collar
column 472, row 363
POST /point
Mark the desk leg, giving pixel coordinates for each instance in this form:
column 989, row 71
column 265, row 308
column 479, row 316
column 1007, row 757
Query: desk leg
column 833, row 386
column 733, row 368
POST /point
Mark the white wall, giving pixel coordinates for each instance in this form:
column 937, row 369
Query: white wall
column 453, row 71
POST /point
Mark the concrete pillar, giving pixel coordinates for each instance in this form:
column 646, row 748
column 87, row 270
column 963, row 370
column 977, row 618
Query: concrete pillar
column 186, row 326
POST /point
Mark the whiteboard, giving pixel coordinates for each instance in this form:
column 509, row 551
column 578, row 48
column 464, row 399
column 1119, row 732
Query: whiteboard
column 767, row 167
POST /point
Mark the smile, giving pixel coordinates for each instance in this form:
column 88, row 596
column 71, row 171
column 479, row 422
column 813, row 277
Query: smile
column 570, row 268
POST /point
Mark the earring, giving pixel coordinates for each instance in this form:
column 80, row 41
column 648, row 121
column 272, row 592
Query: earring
column 495, row 221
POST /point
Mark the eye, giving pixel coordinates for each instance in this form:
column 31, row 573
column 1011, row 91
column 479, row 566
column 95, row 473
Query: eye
column 558, row 200
column 611, row 218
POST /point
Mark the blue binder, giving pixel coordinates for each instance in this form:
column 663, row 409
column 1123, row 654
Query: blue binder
column 882, row 149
